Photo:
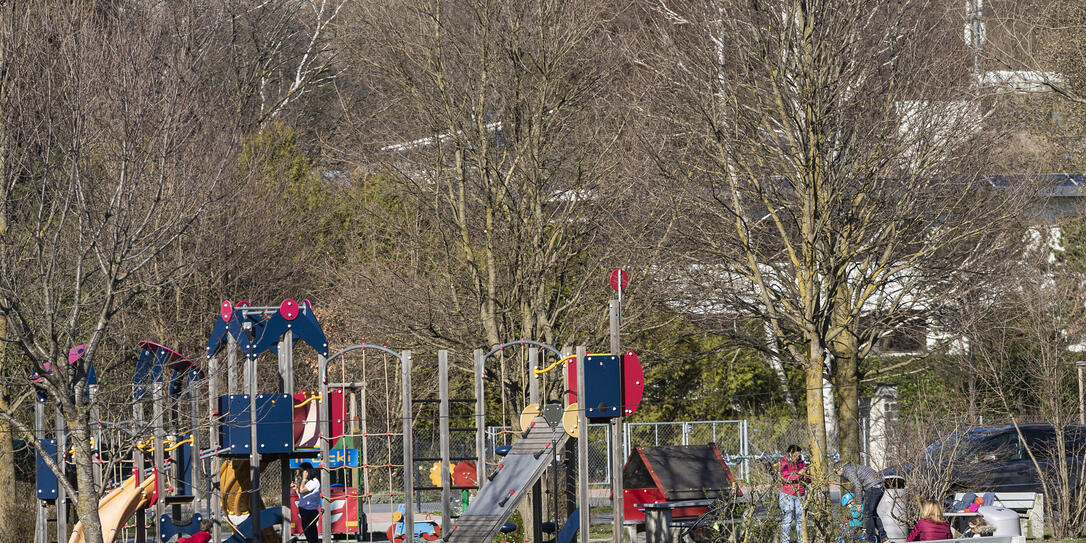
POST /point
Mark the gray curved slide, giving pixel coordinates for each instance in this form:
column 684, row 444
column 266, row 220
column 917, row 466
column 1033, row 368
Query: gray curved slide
column 522, row 467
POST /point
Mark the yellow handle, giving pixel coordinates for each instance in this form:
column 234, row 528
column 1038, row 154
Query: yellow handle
column 562, row 361
column 176, row 445
column 146, row 446
column 307, row 400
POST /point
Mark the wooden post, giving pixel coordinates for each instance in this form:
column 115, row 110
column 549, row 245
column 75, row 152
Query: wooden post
column 214, row 500
column 61, row 429
column 408, row 448
column 537, row 488
column 41, row 522
column 480, row 420
column 254, row 451
column 570, row 451
column 158, row 455
column 582, row 451
column 365, row 448
column 617, row 456
column 137, row 463
column 443, row 424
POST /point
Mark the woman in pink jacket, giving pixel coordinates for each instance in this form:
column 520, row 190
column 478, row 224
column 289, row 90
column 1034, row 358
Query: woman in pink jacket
column 931, row 525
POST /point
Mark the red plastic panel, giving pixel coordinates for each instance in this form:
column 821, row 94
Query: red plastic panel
column 337, row 414
column 226, row 310
column 344, row 511
column 633, row 382
column 631, row 496
column 464, row 474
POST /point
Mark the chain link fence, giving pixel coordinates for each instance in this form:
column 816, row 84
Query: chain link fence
column 741, row 443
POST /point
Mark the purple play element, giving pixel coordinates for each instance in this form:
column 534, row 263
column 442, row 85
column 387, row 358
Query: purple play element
column 289, row 309
column 75, row 353
column 226, row 310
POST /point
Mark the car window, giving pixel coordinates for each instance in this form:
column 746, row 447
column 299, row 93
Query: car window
column 999, row 447
column 1075, row 438
column 1042, row 442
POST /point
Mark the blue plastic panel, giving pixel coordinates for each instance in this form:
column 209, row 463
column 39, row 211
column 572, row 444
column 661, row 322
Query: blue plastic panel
column 47, row 480
column 275, row 423
column 169, row 529
column 184, row 465
column 603, row 386
column 234, row 425
column 336, row 459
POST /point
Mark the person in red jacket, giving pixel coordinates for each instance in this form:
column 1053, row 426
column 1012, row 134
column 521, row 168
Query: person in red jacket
column 203, row 536
column 931, row 525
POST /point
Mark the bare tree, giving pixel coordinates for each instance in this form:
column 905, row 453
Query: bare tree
column 490, row 131
column 827, row 150
column 113, row 149
column 1027, row 362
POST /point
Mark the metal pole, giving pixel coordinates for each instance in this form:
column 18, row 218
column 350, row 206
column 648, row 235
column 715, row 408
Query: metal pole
column 537, row 488
column 443, row 424
column 286, row 385
column 324, row 417
column 582, row 450
column 408, row 448
column 617, row 459
column 480, row 421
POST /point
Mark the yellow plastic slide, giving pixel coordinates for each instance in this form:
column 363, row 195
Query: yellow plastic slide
column 236, row 484
column 115, row 508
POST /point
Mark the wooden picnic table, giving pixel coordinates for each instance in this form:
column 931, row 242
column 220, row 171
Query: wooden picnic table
column 658, row 521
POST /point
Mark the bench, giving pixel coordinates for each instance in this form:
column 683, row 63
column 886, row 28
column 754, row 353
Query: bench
column 1028, row 505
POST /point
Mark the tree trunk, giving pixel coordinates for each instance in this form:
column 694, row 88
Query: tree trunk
column 848, row 409
column 8, row 501
column 87, row 499
column 816, row 415
column 775, row 364
column 816, row 427
column 830, row 413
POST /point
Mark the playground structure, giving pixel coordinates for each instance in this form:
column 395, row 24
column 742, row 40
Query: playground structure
column 208, row 462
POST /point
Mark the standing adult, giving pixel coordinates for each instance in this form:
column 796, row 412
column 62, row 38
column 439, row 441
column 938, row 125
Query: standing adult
column 309, row 503
column 867, row 482
column 793, row 487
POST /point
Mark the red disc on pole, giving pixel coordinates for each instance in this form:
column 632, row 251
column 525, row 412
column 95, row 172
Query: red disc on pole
column 289, row 309
column 619, row 279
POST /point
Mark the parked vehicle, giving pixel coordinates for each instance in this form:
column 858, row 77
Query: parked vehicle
column 996, row 459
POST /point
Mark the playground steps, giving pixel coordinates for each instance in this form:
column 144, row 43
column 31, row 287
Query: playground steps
column 521, row 468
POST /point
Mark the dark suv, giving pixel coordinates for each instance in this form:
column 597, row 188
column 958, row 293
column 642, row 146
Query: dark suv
column 995, row 459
